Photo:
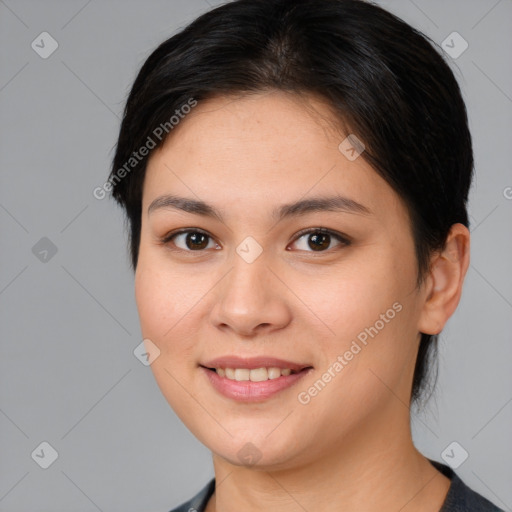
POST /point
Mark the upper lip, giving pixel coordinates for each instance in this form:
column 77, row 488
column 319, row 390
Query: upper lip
column 253, row 362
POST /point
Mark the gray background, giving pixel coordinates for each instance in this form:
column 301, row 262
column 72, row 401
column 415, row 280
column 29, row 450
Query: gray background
column 68, row 320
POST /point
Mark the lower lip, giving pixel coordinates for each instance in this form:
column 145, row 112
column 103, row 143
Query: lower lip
column 248, row 391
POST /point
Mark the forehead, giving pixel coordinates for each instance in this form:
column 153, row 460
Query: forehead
column 262, row 150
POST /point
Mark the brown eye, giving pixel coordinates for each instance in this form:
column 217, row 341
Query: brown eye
column 196, row 240
column 191, row 240
column 320, row 240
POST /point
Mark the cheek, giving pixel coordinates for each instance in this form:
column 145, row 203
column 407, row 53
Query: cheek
column 162, row 305
column 163, row 295
column 351, row 297
column 154, row 307
column 169, row 306
column 370, row 311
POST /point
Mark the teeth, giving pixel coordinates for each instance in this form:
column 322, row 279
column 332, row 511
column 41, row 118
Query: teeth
column 256, row 375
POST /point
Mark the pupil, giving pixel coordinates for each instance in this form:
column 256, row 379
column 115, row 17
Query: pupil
column 195, row 239
column 320, row 239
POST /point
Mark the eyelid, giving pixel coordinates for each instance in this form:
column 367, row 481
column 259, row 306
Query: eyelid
column 344, row 239
column 340, row 236
column 168, row 236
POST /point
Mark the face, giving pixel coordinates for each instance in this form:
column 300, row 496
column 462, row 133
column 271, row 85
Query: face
column 328, row 288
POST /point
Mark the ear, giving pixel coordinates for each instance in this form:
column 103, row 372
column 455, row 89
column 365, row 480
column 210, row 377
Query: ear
column 443, row 286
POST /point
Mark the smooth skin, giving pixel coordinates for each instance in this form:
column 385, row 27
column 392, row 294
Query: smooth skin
column 302, row 300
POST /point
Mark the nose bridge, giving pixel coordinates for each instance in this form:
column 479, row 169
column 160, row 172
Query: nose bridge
column 249, row 278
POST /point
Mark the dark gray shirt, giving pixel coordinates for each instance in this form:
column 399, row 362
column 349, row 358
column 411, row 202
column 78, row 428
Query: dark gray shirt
column 460, row 497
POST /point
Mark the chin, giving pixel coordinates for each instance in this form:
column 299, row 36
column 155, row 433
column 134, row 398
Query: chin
column 258, row 453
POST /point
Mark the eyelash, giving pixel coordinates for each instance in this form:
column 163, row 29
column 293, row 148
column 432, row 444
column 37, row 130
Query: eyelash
column 344, row 240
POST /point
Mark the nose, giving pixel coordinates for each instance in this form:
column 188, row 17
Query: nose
column 251, row 299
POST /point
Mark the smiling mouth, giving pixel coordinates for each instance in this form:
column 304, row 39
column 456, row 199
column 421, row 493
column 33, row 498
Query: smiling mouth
column 256, row 374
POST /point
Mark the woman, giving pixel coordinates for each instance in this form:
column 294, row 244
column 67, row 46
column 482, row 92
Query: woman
column 295, row 177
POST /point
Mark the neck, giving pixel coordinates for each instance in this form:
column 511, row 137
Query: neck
column 371, row 468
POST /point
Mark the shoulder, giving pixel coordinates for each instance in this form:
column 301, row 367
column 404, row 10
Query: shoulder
column 460, row 497
column 199, row 501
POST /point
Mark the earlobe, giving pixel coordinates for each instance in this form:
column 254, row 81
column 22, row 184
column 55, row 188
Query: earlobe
column 445, row 280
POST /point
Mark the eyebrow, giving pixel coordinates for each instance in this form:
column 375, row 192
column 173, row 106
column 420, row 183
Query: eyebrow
column 302, row 207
